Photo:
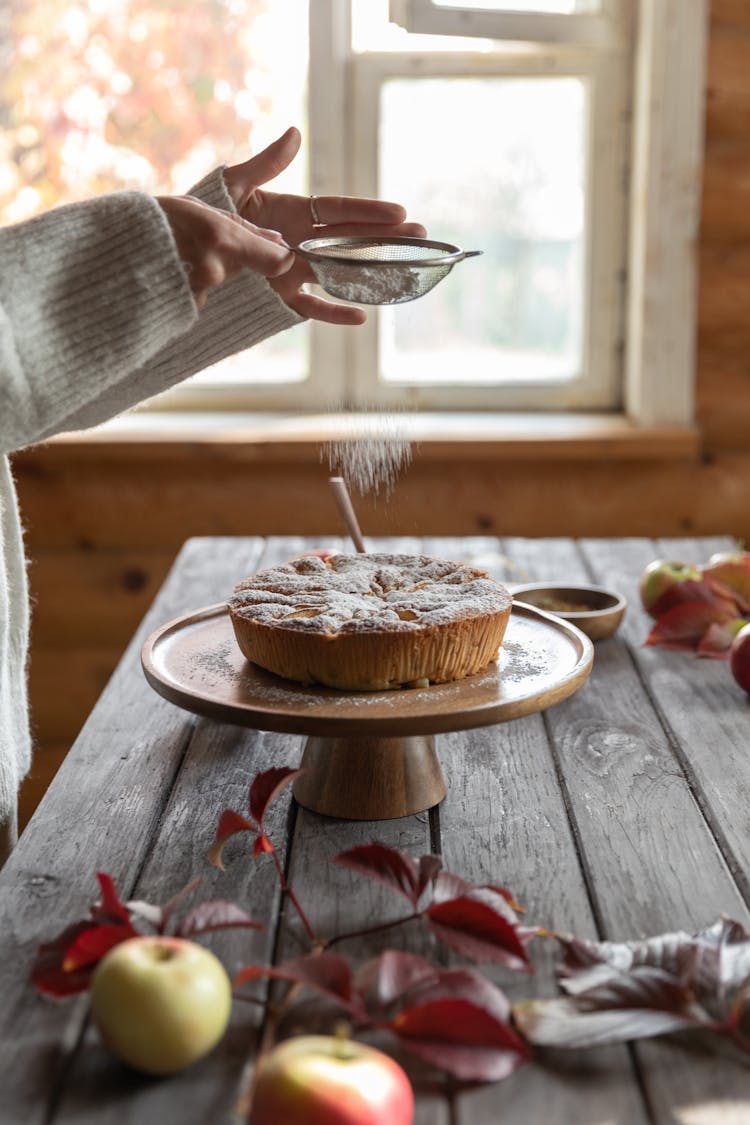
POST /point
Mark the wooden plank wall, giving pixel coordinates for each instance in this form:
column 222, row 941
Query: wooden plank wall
column 724, row 251
column 104, row 526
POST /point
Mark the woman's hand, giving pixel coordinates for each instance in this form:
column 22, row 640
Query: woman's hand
column 216, row 245
column 292, row 216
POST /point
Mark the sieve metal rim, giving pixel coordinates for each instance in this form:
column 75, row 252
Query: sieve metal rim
column 311, row 250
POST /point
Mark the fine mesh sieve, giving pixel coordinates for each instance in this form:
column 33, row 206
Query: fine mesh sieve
column 380, row 271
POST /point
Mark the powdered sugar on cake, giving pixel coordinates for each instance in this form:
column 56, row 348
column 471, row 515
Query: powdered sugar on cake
column 367, row 592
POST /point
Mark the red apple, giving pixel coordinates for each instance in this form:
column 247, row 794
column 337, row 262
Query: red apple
column 160, row 1003
column 660, row 575
column 330, row 1080
column 732, row 570
column 739, row 658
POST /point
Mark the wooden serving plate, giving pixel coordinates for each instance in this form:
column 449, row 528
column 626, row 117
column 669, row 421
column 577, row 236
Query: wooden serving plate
column 368, row 755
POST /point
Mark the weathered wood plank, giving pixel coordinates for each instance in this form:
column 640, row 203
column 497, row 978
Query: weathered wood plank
column 504, row 821
column 635, row 815
column 724, row 399
column 103, row 815
column 723, row 287
column 651, row 860
column 728, row 54
column 47, row 760
column 724, row 211
column 704, row 710
column 733, row 12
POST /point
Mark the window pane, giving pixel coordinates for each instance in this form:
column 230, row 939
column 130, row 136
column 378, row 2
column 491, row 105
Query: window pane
column 564, row 7
column 498, row 165
column 146, row 94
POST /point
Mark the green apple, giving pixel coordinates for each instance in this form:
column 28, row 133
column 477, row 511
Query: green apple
column 330, row 1080
column 160, row 1003
column 660, row 575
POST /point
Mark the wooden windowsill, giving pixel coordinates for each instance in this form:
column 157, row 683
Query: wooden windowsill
column 293, row 437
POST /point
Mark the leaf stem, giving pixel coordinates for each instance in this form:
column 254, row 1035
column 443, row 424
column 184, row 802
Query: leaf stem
column 367, row 930
column 288, row 890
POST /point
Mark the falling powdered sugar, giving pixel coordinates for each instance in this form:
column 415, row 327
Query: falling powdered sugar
column 373, row 456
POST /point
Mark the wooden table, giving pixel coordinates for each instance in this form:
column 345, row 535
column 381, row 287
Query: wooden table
column 622, row 811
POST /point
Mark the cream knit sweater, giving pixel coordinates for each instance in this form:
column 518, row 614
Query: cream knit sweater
column 96, row 314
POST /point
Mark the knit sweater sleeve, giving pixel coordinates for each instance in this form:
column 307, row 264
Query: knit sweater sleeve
column 96, row 313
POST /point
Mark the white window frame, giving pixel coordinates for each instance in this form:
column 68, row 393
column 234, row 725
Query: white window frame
column 602, row 25
column 360, row 78
column 664, row 182
column 656, row 365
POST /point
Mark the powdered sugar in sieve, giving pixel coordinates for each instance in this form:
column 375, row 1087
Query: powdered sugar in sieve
column 380, row 271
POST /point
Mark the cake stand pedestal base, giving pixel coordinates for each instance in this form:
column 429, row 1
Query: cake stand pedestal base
column 370, row 778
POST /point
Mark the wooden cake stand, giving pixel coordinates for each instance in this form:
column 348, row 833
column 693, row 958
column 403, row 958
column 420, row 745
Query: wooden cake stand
column 368, row 755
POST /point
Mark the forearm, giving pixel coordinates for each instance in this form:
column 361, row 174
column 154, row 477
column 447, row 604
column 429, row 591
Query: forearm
column 88, row 292
column 238, row 314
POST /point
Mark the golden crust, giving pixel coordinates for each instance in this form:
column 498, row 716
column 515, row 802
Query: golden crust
column 378, row 658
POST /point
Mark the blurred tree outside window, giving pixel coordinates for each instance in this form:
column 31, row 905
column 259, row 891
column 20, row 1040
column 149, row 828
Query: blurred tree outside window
column 102, row 95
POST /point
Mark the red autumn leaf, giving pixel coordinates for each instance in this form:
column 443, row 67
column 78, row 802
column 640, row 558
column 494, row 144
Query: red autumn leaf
column 230, row 823
column 567, row 1023
column 171, row 906
column 477, row 926
column 715, row 961
column 160, row 916
column 262, row 844
column 149, row 912
column 448, row 885
column 644, row 988
column 266, row 788
column 617, row 991
column 469, row 984
column 717, row 639
column 216, row 915
column 731, row 572
column 462, row 1026
column 64, row 966
column 47, row 973
column 394, row 868
column 690, row 590
column 327, row 973
column 92, row 944
column 111, row 907
column 393, row 974
column 682, row 626
column 509, row 897
column 429, row 869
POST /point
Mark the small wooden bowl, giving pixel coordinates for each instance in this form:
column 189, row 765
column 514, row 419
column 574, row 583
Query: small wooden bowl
column 595, row 611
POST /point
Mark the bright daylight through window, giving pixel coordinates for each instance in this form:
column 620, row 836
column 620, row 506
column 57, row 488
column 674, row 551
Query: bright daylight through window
column 501, row 126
